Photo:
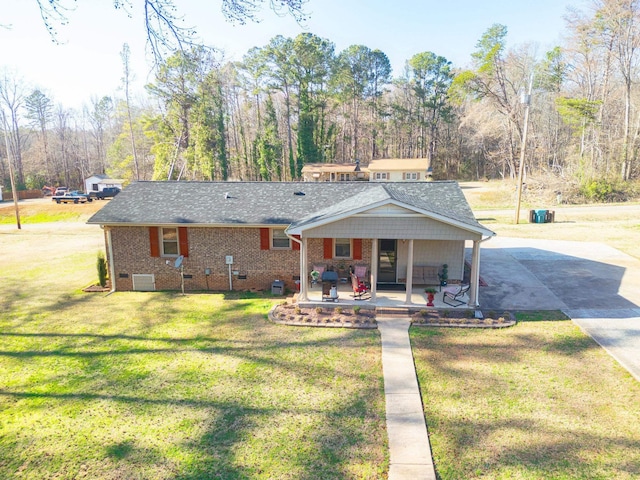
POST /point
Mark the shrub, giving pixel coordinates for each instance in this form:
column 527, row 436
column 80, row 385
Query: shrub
column 339, row 310
column 446, row 313
column 318, row 309
column 605, row 190
column 102, row 269
column 356, row 309
column 298, row 310
column 424, row 313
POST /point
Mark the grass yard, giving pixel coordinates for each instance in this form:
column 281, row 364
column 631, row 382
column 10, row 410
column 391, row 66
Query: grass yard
column 536, row 401
column 164, row 386
column 617, row 225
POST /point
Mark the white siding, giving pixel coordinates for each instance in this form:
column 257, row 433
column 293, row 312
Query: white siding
column 379, row 226
column 433, row 253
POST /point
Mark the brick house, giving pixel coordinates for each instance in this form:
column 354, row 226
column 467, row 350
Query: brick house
column 244, row 235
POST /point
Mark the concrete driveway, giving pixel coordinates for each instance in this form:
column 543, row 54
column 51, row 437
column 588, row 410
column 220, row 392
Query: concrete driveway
column 595, row 285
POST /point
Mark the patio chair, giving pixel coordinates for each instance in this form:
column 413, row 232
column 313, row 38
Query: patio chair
column 452, row 298
column 359, row 287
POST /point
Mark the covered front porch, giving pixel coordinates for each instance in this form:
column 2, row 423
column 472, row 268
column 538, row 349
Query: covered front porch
column 402, row 236
column 384, row 299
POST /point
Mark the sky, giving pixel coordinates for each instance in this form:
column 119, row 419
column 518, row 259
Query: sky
column 85, row 63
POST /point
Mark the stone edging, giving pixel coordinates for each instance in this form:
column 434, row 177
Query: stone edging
column 371, row 323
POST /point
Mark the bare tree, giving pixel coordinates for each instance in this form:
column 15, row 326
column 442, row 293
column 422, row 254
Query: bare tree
column 619, row 21
column 126, row 78
column 165, row 27
column 12, row 99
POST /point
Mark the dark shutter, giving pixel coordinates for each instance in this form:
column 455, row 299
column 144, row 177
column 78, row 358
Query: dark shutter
column 264, row 239
column 295, row 245
column 183, row 241
column 328, row 248
column 154, row 241
column 357, row 249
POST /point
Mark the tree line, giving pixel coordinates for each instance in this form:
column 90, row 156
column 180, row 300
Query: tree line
column 296, row 101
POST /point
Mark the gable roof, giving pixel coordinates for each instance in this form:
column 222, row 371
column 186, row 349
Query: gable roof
column 104, row 178
column 277, row 203
column 333, row 167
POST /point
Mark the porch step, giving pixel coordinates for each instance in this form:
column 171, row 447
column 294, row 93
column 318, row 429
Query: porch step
column 403, row 311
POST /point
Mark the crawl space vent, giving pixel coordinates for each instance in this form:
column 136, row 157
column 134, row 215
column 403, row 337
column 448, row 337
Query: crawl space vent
column 144, row 282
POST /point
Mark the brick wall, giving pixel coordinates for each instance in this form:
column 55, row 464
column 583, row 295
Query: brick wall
column 315, row 254
column 208, row 248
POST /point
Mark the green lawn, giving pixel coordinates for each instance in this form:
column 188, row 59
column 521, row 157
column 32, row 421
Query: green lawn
column 158, row 385
column 536, row 401
column 164, row 386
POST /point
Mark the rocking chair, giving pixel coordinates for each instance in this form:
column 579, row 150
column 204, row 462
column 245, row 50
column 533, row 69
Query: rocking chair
column 359, row 287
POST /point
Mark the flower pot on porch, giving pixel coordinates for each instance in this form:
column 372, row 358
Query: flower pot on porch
column 430, row 296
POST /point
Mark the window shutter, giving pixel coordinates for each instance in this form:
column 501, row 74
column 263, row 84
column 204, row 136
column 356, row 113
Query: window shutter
column 264, row 239
column 418, row 178
column 328, row 248
column 183, row 241
column 295, row 245
column 357, row 249
column 154, row 241
column 404, row 176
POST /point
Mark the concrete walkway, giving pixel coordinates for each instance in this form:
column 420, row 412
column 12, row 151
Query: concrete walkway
column 409, row 448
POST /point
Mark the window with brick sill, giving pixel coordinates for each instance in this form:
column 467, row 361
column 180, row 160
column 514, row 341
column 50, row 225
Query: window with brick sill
column 169, row 244
column 279, row 240
column 342, row 248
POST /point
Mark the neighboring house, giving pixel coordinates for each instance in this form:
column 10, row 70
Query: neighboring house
column 334, row 172
column 245, row 235
column 97, row 183
column 399, row 170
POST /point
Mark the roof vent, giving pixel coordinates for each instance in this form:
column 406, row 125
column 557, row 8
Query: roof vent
column 226, row 195
column 300, row 194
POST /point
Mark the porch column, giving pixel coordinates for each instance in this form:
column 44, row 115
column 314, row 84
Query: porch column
column 474, row 278
column 374, row 268
column 409, row 284
column 304, row 281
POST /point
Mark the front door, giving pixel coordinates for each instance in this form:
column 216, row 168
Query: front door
column 387, row 260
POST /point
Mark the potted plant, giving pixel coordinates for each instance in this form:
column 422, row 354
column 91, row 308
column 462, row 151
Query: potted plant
column 444, row 275
column 431, row 292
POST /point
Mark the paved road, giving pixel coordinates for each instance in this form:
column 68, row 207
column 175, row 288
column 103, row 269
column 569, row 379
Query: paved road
column 594, row 284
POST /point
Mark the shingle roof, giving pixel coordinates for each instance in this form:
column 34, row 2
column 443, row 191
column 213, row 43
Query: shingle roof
column 273, row 203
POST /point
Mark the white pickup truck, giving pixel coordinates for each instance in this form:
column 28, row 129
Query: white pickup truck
column 71, row 197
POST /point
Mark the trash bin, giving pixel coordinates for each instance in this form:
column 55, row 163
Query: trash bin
column 541, row 216
column 277, row 287
column 550, row 217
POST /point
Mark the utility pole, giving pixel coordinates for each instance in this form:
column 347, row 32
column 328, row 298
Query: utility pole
column 526, row 101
